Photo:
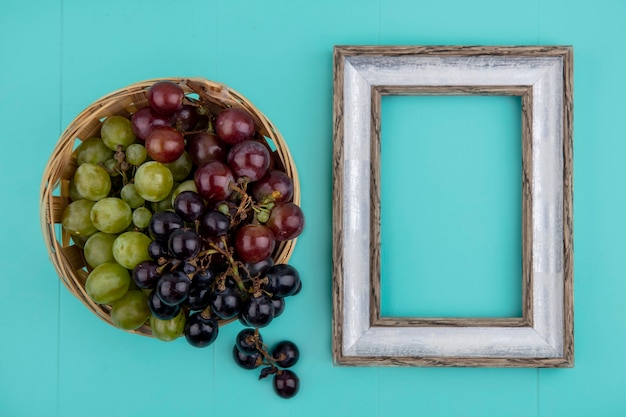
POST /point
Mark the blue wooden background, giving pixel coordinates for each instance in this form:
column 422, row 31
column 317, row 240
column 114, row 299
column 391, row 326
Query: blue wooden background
column 57, row 56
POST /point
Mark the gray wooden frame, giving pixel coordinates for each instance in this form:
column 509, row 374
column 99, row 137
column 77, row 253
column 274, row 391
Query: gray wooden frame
column 542, row 77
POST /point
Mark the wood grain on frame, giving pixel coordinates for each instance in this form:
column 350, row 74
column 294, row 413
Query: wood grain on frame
column 525, row 91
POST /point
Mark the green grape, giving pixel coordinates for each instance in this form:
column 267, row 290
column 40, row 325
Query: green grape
column 111, row 166
column 92, row 151
column 189, row 185
column 130, row 248
column 92, row 181
column 168, row 330
column 181, row 167
column 131, row 311
column 111, row 215
column 117, row 130
column 76, row 218
column 136, row 154
column 141, row 217
column 99, row 249
column 166, row 203
column 74, row 194
column 107, row 283
column 153, row 181
column 131, row 196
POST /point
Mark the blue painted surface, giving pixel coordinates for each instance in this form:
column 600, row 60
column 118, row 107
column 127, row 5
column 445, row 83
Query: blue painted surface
column 57, row 56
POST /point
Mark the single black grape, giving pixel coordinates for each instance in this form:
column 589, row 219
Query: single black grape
column 163, row 223
column 158, row 249
column 279, row 306
column 201, row 331
column 146, row 274
column 199, row 296
column 227, row 303
column 283, row 280
column 246, row 341
column 173, row 287
column 159, row 309
column 286, row 354
column 215, row 223
column 204, row 277
column 259, row 268
column 286, row 383
column 258, row 311
column 184, row 244
column 247, row 361
column 189, row 205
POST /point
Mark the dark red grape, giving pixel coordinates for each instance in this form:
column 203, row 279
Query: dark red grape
column 283, row 280
column 146, row 274
column 286, row 221
column 286, row 383
column 276, row 184
column 258, row 311
column 185, row 119
column 234, row 125
column 145, row 120
column 213, row 181
column 226, row 304
column 159, row 309
column 165, row 97
column 204, row 147
column 163, row 223
column 201, row 331
column 250, row 159
column 254, row 242
column 286, row 354
column 184, row 244
column 246, row 341
column 247, row 361
column 188, row 205
column 165, row 144
column 173, row 287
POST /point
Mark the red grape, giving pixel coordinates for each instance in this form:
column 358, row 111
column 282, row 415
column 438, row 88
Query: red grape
column 145, row 120
column 276, row 183
column 213, row 181
column 165, row 144
column 165, row 97
column 254, row 242
column 205, row 147
column 234, row 125
column 250, row 159
column 286, row 221
column 185, row 118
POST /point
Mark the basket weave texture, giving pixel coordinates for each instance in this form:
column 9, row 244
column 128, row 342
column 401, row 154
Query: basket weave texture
column 66, row 256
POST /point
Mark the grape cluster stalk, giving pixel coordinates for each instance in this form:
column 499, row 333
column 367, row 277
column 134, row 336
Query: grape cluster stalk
column 179, row 212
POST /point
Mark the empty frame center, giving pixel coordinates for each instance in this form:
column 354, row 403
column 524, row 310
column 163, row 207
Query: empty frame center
column 451, row 240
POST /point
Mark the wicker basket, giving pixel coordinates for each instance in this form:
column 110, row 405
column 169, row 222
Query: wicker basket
column 68, row 258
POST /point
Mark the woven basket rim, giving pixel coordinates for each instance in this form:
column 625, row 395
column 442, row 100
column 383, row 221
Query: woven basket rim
column 54, row 192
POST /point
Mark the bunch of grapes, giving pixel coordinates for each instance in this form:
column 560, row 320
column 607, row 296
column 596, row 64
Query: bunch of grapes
column 179, row 212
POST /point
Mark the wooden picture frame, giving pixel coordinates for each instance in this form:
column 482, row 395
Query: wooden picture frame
column 542, row 77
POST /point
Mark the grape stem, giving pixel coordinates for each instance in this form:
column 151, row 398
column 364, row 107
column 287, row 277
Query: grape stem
column 232, row 264
column 262, row 349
